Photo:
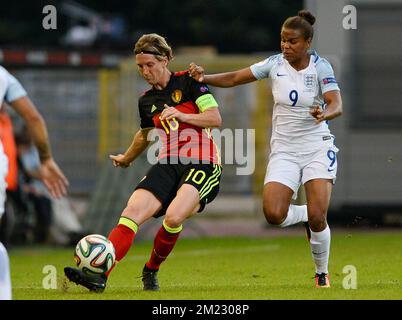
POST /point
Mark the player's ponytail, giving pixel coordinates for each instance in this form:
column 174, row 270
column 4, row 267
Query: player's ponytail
column 307, row 15
column 304, row 21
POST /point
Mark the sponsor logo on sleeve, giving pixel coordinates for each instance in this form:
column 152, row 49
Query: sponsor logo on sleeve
column 328, row 80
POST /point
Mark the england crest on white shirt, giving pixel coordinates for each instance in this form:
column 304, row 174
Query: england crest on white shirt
column 309, row 82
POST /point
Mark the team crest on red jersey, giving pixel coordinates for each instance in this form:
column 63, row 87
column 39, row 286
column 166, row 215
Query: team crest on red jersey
column 177, row 95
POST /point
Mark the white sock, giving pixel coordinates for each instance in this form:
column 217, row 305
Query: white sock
column 320, row 243
column 5, row 282
column 295, row 215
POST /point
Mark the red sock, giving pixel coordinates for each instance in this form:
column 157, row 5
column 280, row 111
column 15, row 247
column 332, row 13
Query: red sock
column 163, row 245
column 122, row 238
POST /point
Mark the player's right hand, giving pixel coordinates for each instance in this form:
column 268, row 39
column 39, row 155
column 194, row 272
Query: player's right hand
column 318, row 114
column 53, row 178
column 196, row 72
column 120, row 160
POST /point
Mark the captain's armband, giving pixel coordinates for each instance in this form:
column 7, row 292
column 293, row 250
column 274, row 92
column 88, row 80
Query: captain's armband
column 206, row 101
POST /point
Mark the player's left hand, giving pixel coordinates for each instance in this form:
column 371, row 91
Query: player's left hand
column 53, row 178
column 120, row 160
column 170, row 112
column 196, row 72
column 318, row 114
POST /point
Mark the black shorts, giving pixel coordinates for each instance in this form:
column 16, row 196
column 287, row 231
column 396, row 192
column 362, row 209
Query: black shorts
column 164, row 180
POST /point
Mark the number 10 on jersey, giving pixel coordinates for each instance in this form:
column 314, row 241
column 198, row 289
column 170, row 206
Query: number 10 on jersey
column 173, row 126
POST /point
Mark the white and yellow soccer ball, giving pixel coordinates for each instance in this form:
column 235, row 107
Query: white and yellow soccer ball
column 94, row 254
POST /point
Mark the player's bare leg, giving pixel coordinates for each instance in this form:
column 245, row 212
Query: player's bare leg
column 185, row 204
column 318, row 193
column 277, row 206
column 301, row 202
column 141, row 206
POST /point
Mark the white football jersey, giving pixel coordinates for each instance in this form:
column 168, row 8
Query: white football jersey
column 10, row 90
column 295, row 93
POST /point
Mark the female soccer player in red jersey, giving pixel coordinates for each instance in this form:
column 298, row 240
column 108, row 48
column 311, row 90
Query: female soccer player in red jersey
column 188, row 171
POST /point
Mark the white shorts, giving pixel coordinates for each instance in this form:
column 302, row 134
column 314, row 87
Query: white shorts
column 293, row 169
column 3, row 174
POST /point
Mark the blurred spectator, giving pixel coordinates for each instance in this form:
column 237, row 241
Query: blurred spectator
column 112, row 31
column 33, row 186
column 10, row 149
column 81, row 35
column 106, row 31
column 54, row 220
column 7, row 139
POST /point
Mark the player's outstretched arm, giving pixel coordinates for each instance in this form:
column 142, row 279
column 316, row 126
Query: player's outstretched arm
column 223, row 80
column 139, row 144
column 51, row 175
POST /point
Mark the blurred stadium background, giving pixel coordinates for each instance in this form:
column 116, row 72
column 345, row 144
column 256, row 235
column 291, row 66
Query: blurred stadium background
column 83, row 79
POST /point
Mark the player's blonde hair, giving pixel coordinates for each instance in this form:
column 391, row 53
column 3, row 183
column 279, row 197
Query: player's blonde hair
column 153, row 44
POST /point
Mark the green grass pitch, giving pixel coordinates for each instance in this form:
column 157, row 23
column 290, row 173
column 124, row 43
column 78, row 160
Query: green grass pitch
column 228, row 268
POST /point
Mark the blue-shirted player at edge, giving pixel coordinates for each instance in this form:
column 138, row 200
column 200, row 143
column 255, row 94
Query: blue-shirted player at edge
column 12, row 92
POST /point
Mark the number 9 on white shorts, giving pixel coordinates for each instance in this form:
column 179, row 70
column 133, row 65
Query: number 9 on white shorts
column 295, row 168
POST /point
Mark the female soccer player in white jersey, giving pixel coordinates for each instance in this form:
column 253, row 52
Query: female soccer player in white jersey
column 306, row 95
column 13, row 93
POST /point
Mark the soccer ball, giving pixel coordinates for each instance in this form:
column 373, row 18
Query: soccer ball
column 94, row 254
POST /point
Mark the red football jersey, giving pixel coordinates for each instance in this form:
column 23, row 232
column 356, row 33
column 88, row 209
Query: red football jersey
column 179, row 139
